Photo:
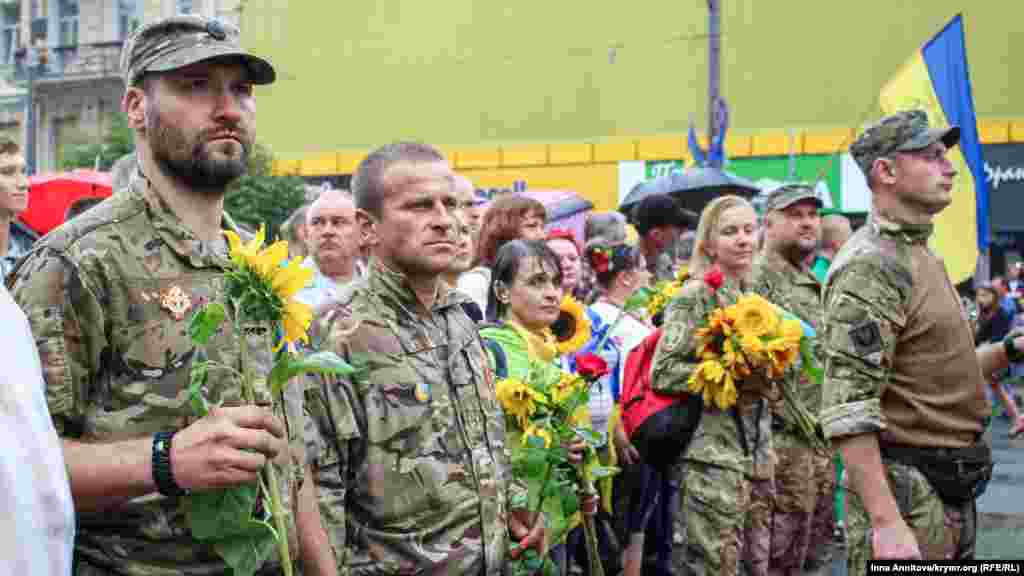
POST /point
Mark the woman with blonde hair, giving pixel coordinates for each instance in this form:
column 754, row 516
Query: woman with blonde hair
column 726, row 491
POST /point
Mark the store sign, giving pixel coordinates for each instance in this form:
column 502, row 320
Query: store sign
column 1004, row 175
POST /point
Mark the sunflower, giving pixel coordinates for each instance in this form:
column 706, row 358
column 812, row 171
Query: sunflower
column 269, row 287
column 706, row 378
column 566, row 386
column 755, row 316
column 534, row 431
column 572, row 329
column 734, row 360
column 518, row 399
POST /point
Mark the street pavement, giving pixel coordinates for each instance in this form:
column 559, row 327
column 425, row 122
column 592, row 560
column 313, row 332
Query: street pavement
column 1001, row 507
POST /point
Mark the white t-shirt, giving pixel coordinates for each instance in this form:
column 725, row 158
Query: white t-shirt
column 37, row 514
column 475, row 283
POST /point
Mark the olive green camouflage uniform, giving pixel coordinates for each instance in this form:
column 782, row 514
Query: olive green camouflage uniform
column 800, row 470
column 723, row 531
column 116, row 361
column 900, row 360
column 411, row 466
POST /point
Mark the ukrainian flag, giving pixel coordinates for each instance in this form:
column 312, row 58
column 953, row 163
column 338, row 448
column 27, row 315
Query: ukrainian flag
column 935, row 79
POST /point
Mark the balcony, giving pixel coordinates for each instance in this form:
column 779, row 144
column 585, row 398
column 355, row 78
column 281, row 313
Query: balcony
column 83, row 62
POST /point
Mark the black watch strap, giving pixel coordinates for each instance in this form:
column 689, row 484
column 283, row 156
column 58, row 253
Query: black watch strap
column 163, row 475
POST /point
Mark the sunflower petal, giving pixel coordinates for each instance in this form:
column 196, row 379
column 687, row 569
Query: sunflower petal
column 290, row 279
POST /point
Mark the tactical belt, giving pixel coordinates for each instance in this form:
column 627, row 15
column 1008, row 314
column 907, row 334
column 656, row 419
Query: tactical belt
column 958, row 475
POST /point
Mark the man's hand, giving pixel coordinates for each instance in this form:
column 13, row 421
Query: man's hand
column 624, row 448
column 528, row 530
column 894, row 541
column 227, row 447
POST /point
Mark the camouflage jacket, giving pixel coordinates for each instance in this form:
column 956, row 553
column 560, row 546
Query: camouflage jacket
column 798, row 291
column 717, row 438
column 410, row 461
column 899, row 354
column 99, row 293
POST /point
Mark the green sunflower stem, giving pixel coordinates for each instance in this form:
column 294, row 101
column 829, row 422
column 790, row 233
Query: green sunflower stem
column 274, row 489
column 589, row 528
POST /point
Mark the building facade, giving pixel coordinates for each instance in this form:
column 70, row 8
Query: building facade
column 76, row 85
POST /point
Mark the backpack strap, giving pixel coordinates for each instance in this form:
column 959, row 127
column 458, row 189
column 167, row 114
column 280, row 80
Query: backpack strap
column 498, row 355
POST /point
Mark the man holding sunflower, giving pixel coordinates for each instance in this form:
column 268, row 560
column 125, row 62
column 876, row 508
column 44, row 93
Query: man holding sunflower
column 110, row 295
column 410, row 457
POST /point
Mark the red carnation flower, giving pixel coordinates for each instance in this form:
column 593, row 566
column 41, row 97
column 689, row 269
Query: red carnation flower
column 714, row 278
column 599, row 261
column 591, row 366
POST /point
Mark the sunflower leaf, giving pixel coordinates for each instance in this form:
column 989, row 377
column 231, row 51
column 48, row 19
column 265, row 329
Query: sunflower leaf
column 638, row 299
column 592, row 438
column 197, row 380
column 599, row 472
column 206, row 322
column 288, row 367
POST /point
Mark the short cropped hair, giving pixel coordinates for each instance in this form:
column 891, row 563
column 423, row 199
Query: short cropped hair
column 366, row 182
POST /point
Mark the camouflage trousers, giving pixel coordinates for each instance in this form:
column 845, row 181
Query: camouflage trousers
column 942, row 531
column 727, row 522
column 823, row 544
column 793, row 509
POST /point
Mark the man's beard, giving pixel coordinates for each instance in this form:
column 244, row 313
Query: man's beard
column 795, row 253
column 189, row 163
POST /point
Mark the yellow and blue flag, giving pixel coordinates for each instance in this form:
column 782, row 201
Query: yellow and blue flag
column 935, row 79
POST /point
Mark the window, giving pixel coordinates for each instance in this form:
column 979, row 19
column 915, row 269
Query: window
column 67, row 22
column 184, row 7
column 127, row 17
column 8, row 32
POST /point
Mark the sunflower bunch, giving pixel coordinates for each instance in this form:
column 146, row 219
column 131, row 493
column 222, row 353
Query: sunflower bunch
column 653, row 300
column 543, row 412
column 749, row 337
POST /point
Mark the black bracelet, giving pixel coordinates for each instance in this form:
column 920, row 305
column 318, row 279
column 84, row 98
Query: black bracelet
column 1012, row 354
column 163, row 475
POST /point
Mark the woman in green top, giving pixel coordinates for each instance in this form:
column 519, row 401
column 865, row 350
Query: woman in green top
column 522, row 303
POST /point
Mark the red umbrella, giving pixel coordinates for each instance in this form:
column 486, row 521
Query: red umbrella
column 50, row 196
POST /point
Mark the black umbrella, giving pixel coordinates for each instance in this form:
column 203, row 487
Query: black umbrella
column 693, row 188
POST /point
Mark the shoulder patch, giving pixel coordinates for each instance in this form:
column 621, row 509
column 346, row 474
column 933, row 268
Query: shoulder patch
column 867, row 340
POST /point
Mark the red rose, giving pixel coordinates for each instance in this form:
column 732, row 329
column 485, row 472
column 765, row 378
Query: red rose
column 714, row 278
column 591, row 366
column 600, row 262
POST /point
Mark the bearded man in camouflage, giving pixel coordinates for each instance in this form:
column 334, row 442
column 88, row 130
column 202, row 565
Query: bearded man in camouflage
column 109, row 297
column 804, row 480
column 409, row 459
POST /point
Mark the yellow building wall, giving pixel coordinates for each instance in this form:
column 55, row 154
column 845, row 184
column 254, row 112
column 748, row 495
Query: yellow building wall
column 495, row 82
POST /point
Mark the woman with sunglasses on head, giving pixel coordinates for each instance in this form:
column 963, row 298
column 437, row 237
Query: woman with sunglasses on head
column 727, row 486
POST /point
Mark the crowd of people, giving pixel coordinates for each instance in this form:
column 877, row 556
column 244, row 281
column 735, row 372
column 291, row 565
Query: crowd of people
column 436, row 296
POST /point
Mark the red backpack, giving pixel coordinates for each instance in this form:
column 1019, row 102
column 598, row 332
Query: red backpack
column 659, row 426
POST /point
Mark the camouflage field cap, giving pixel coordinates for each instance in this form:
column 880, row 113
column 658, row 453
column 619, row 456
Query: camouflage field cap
column 785, row 196
column 179, row 41
column 902, row 132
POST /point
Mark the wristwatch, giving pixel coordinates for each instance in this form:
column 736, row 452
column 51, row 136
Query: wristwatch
column 163, row 475
column 1012, row 353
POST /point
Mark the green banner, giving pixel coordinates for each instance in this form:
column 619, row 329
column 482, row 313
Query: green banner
column 808, row 168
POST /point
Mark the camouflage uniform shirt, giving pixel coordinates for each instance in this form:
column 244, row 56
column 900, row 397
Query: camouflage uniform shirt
column 717, row 438
column 900, row 358
column 798, row 291
column 116, row 356
column 411, row 466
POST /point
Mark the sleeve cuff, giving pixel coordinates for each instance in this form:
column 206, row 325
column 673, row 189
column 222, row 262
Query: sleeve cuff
column 853, row 419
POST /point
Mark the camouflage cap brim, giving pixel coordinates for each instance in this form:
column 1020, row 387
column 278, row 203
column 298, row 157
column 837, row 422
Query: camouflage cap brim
column 260, row 71
column 948, row 136
column 790, row 200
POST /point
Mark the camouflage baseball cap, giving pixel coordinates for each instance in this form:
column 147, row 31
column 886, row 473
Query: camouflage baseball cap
column 785, row 196
column 902, row 132
column 179, row 41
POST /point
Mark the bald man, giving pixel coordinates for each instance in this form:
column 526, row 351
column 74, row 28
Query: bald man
column 835, row 231
column 334, row 246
